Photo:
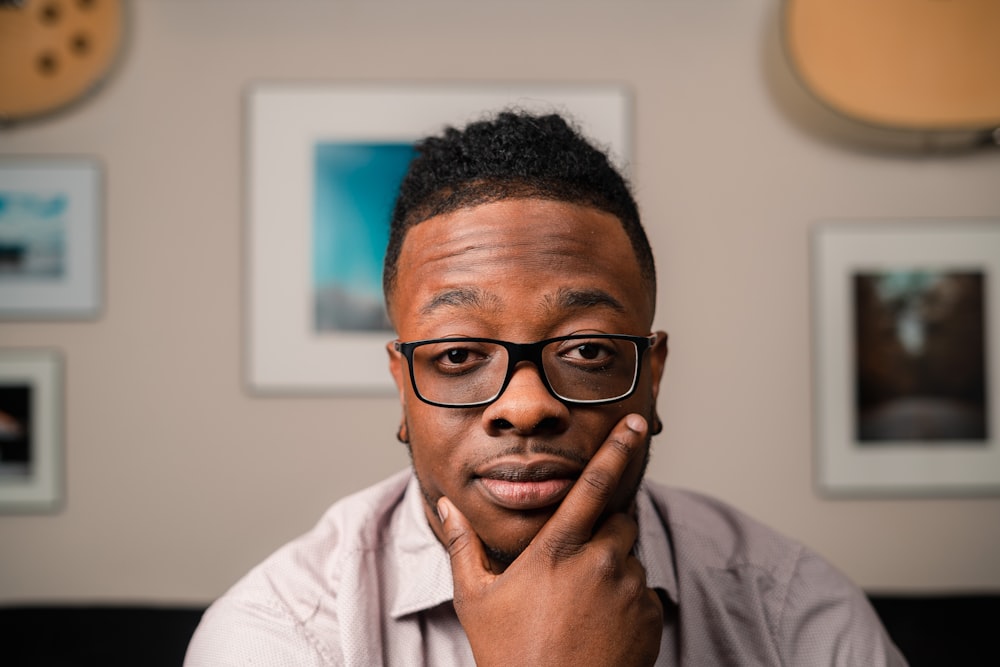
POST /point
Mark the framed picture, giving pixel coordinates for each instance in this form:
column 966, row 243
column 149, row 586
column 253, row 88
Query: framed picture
column 30, row 430
column 907, row 363
column 325, row 162
column 50, row 238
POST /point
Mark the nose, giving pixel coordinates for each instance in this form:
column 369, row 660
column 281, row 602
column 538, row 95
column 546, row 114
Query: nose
column 526, row 407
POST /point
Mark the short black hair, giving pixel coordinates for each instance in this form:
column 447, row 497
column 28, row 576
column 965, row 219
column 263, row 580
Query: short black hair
column 512, row 155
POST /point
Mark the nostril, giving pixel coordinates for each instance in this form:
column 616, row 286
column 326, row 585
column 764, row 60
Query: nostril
column 547, row 424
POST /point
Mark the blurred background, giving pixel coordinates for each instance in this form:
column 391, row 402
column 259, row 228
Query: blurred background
column 178, row 478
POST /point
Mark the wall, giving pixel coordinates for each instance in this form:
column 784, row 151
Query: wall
column 179, row 480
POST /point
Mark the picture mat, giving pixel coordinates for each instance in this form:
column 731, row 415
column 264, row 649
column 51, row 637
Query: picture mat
column 42, row 489
column 285, row 121
column 78, row 292
column 843, row 249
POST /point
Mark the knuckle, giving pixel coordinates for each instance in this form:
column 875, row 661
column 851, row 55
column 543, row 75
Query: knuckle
column 621, row 446
column 606, row 565
column 634, row 588
column 623, row 525
column 457, row 543
column 600, row 483
column 654, row 607
column 560, row 547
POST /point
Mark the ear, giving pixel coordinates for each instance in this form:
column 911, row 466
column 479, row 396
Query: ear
column 397, row 368
column 657, row 362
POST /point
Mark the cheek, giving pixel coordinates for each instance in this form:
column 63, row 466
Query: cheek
column 643, row 401
column 438, row 443
column 436, row 426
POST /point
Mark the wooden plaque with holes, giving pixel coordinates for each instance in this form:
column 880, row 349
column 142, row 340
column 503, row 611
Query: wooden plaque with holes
column 54, row 51
column 912, row 64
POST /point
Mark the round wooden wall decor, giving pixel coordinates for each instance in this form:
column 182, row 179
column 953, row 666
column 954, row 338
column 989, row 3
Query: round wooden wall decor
column 53, row 52
column 927, row 65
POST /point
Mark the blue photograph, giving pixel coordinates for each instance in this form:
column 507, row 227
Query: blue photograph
column 355, row 190
column 32, row 235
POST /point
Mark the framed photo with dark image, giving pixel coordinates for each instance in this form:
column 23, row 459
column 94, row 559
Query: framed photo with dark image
column 325, row 162
column 30, row 430
column 50, row 240
column 907, row 318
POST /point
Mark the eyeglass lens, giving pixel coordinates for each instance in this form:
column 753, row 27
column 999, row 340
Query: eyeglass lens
column 464, row 372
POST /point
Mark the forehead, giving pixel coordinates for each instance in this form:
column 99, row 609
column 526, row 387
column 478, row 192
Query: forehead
column 518, row 258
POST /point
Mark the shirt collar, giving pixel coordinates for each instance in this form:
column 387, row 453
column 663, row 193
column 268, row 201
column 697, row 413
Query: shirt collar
column 422, row 569
column 653, row 548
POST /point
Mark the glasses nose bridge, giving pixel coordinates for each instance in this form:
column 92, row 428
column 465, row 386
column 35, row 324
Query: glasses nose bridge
column 530, row 352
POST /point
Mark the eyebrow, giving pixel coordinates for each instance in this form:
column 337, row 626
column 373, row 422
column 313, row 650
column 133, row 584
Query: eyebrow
column 460, row 297
column 585, row 298
column 473, row 297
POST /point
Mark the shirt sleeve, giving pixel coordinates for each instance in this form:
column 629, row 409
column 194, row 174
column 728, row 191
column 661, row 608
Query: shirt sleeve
column 827, row 620
column 236, row 633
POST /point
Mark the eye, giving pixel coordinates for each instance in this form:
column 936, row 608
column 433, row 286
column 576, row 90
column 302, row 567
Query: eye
column 588, row 352
column 458, row 359
column 456, row 356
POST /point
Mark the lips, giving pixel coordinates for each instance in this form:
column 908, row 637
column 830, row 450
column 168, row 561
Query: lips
column 522, row 486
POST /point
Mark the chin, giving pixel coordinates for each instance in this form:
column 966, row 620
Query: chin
column 503, row 557
column 504, row 547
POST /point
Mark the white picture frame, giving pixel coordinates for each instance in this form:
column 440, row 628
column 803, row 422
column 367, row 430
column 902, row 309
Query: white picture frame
column 907, row 366
column 31, row 410
column 285, row 124
column 50, row 238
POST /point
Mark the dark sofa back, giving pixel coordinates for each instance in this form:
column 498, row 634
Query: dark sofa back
column 931, row 631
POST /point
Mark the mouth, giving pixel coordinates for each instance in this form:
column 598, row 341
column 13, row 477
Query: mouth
column 522, row 486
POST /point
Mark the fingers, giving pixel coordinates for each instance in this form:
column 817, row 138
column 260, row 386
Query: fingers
column 573, row 523
column 469, row 563
column 620, row 531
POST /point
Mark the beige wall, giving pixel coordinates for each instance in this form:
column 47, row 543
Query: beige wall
column 179, row 480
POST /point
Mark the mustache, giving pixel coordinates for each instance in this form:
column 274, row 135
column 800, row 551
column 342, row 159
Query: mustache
column 536, row 448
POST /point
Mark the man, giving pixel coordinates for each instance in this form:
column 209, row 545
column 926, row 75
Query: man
column 522, row 288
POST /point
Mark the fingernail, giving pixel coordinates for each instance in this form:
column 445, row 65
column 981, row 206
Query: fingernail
column 636, row 423
column 442, row 506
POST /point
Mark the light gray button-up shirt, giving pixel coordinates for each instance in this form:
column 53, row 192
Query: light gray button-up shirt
column 371, row 585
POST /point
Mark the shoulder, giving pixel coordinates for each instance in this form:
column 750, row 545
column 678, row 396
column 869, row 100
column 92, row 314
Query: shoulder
column 716, row 534
column 284, row 610
column 711, row 538
column 751, row 591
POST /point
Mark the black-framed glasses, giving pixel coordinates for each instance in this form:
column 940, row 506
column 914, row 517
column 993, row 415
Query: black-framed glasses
column 582, row 369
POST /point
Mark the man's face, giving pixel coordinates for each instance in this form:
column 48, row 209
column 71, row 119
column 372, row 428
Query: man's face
column 519, row 270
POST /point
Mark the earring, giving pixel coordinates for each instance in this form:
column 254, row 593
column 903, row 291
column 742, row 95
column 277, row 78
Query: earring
column 402, row 435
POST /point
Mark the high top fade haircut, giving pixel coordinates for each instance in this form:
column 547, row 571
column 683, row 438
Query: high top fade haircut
column 513, row 155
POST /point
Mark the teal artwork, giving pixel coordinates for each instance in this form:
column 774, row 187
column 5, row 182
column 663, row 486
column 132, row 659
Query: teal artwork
column 32, row 235
column 355, row 190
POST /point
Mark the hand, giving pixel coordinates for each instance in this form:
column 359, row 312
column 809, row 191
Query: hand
column 575, row 596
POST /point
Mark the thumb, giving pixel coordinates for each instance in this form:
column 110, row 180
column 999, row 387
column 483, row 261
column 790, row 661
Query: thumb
column 469, row 563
